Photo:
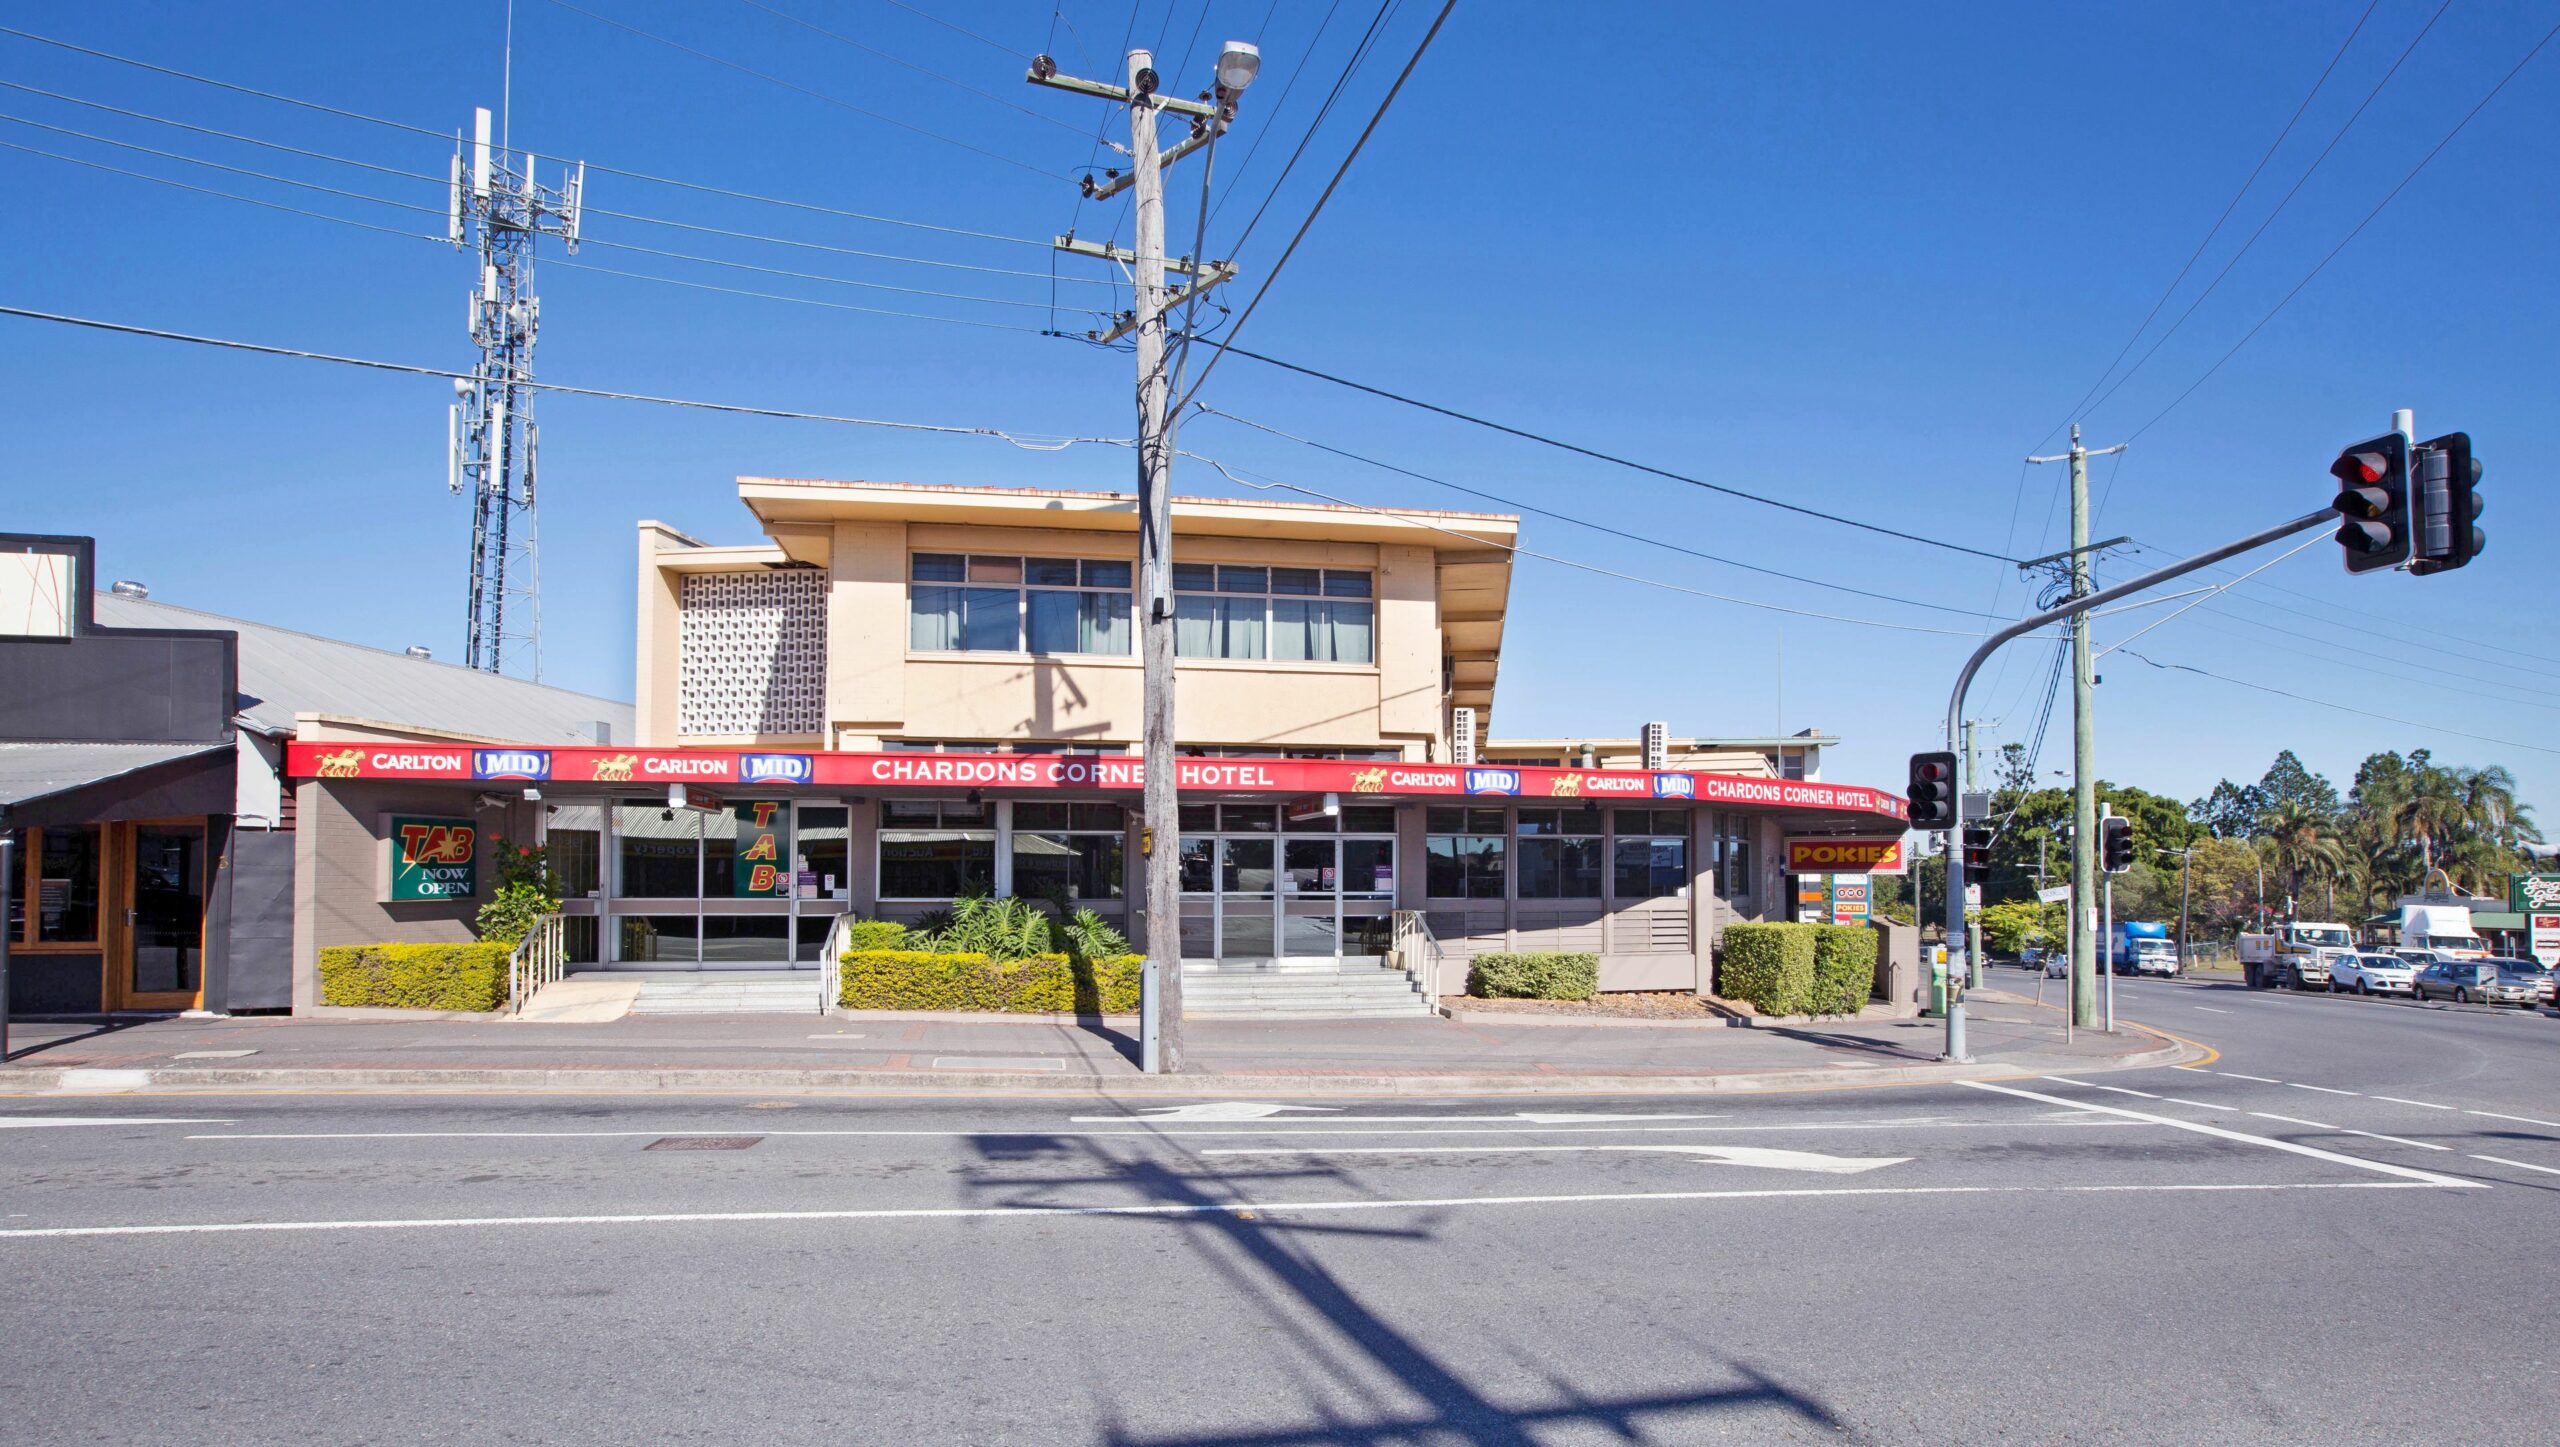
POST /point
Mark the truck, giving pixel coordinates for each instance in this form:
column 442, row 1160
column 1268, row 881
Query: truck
column 2295, row 954
column 2141, row 947
column 2427, row 922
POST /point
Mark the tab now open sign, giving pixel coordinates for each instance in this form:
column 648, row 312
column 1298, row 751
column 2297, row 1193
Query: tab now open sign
column 1846, row 855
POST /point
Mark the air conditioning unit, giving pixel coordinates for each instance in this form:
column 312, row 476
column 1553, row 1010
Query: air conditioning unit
column 1462, row 735
column 1657, row 745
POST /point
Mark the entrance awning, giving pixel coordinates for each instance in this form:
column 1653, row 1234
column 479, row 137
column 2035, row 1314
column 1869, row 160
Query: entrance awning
column 79, row 783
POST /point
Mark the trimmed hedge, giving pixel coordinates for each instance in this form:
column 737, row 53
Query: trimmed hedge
column 875, row 934
column 1769, row 966
column 1539, row 975
column 416, row 977
column 1844, row 968
column 1042, row 984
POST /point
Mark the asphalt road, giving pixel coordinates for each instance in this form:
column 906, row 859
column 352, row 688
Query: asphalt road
column 2336, row 1231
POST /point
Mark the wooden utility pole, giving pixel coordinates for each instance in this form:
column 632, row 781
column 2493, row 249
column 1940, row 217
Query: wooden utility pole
column 2084, row 748
column 1160, row 822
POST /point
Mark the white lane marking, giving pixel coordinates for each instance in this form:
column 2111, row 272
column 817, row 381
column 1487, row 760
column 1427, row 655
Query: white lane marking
column 2199, row 1104
column 2523, row 1119
column 1274, row 1130
column 2289, row 1119
column 2123, row 1090
column 2208, row 1009
column 1764, row 1157
column 2350, row 1130
column 2421, row 1104
column 2520, row 1165
column 212, row 1054
column 2324, row 1090
column 841, row 1035
column 1229, row 1208
column 2200, row 1128
column 98, row 1078
column 2236, row 1075
column 31, row 1122
column 1248, row 1110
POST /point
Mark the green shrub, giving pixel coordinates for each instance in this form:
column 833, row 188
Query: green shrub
column 416, row 977
column 1086, row 936
column 1039, row 984
column 1541, row 975
column 1002, row 928
column 875, row 934
column 509, row 916
column 1768, row 965
column 1844, row 968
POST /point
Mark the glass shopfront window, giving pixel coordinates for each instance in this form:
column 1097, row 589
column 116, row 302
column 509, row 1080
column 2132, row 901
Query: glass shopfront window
column 66, row 887
column 935, row 849
column 1651, row 853
column 1067, row 851
column 657, row 851
column 1465, row 853
column 1559, row 853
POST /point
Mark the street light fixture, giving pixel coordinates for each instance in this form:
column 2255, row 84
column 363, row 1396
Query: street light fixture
column 1239, row 61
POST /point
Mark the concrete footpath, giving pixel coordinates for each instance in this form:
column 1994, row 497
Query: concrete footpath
column 885, row 1053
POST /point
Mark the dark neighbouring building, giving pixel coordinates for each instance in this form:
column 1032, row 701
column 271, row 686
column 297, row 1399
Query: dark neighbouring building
column 141, row 773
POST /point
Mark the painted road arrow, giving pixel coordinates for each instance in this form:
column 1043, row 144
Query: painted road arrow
column 1764, row 1157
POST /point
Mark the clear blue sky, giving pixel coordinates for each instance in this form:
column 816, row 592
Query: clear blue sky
column 1860, row 256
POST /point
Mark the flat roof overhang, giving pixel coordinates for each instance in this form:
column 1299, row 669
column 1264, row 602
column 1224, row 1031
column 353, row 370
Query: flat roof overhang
column 726, row 771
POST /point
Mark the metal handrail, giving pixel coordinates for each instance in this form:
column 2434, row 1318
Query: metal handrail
column 831, row 964
column 537, row 960
column 1417, row 951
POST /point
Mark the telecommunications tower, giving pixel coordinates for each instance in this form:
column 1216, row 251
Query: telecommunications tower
column 490, row 436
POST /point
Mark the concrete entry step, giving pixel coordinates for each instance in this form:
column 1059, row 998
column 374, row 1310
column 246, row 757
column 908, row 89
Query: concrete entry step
column 713, row 994
column 1300, row 990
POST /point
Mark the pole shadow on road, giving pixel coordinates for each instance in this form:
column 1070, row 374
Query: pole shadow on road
column 1261, row 1261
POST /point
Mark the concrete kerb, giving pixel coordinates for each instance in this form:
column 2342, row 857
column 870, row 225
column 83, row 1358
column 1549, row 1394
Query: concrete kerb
column 77, row 1081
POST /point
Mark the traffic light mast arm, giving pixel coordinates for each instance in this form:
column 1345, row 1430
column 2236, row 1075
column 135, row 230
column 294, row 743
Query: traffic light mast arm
column 1954, row 915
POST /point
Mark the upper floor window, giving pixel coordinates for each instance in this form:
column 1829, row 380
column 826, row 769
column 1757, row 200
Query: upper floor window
column 1289, row 615
column 968, row 603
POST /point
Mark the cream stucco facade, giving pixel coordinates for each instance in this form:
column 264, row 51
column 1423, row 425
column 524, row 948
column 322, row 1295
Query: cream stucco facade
column 1433, row 588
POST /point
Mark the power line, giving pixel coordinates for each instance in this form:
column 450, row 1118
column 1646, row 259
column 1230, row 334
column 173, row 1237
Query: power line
column 1028, row 441
column 895, row 59
column 1577, row 521
column 960, row 30
column 2504, row 656
column 2298, row 184
column 435, row 180
column 220, row 166
column 1317, row 210
column 1359, row 50
column 2216, row 228
column 817, row 95
column 447, row 138
column 2377, row 210
column 1242, row 478
column 2342, row 708
column 590, row 241
column 796, row 300
column 1271, row 122
column 1579, row 450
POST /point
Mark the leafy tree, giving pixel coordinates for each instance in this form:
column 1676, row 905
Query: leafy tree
column 2288, row 782
column 2010, row 927
column 2230, row 812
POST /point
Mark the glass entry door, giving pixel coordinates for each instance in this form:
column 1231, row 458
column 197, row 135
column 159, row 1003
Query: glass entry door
column 719, row 890
column 164, row 960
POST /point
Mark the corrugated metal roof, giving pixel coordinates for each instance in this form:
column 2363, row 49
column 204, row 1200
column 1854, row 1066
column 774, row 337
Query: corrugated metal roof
column 37, row 771
column 283, row 673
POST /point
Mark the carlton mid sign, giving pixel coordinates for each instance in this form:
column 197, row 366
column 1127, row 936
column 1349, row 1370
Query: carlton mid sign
column 733, row 769
column 1825, row 855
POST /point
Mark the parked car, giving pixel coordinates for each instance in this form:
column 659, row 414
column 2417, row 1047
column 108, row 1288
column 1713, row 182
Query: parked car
column 2057, row 964
column 2467, row 981
column 2525, row 972
column 2371, row 973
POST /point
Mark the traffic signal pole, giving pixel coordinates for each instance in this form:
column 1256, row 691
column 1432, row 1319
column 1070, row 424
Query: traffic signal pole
column 1972, row 785
column 1953, row 914
column 2107, row 930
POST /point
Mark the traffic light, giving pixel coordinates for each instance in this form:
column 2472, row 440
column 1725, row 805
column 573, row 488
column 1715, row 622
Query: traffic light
column 2373, row 503
column 1933, row 791
column 2446, row 504
column 2115, row 844
column 1977, row 851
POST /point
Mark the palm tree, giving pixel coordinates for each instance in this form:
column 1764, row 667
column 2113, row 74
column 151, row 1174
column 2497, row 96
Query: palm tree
column 2431, row 809
column 2304, row 843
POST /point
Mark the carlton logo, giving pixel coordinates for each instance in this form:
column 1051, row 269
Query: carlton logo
column 1565, row 786
column 1493, row 781
column 343, row 764
column 1369, row 781
column 681, row 767
column 775, row 768
column 615, row 769
column 1674, row 786
column 532, row 764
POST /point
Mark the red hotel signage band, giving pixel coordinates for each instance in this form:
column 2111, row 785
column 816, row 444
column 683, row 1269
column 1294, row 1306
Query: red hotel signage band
column 467, row 763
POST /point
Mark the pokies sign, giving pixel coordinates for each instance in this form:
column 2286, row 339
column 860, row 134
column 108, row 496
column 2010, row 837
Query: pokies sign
column 725, row 769
column 1863, row 855
column 756, row 870
column 432, row 859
